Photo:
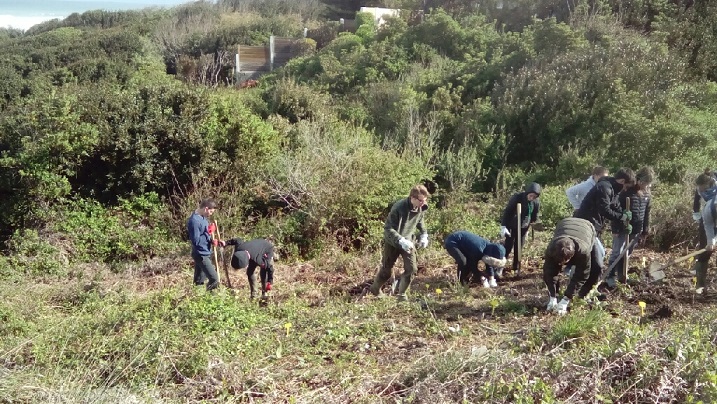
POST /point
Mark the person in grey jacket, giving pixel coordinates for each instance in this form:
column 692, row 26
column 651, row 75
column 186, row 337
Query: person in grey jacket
column 577, row 192
column 707, row 188
column 405, row 218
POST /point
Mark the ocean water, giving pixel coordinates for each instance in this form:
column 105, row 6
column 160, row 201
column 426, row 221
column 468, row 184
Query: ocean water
column 23, row 14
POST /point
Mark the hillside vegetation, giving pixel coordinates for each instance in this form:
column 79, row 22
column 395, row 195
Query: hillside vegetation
column 113, row 125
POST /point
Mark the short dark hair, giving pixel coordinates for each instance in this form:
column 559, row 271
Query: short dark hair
column 563, row 249
column 706, row 179
column 599, row 170
column 626, row 174
column 209, row 203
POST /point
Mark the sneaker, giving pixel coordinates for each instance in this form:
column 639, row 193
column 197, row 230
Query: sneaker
column 486, row 284
column 401, row 298
column 611, row 282
column 492, row 282
column 700, row 291
column 499, row 272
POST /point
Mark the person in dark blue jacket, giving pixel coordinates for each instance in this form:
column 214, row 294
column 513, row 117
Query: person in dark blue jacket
column 467, row 249
column 200, row 237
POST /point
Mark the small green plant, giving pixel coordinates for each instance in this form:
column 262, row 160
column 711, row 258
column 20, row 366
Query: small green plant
column 579, row 324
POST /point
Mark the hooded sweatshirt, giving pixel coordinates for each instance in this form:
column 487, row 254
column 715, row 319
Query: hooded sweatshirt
column 528, row 209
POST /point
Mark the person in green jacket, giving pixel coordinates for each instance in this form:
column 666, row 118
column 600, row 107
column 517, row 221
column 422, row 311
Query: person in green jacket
column 405, row 218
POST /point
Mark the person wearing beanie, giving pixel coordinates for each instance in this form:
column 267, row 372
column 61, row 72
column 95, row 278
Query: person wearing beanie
column 573, row 243
column 250, row 255
column 529, row 201
column 706, row 189
column 406, row 217
column 468, row 249
column 638, row 227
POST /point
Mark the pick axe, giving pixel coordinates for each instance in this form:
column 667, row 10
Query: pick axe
column 656, row 271
column 224, row 262
column 517, row 237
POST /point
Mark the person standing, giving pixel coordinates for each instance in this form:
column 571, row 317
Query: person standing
column 250, row 255
column 577, row 192
column 406, row 216
column 640, row 206
column 706, row 189
column 467, row 249
column 200, row 237
column 529, row 201
column 601, row 204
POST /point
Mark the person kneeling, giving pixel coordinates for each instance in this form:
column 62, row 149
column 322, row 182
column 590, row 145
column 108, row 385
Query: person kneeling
column 251, row 254
column 573, row 243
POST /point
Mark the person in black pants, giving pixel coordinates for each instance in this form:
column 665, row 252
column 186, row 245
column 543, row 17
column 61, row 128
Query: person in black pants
column 251, row 254
column 529, row 201
column 467, row 249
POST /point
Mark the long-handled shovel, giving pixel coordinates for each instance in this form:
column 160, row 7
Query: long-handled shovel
column 619, row 257
column 224, row 262
column 216, row 258
column 517, row 238
column 627, row 242
column 656, row 271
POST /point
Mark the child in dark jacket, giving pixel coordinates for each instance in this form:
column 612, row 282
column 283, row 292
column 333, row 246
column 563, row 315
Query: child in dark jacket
column 529, row 201
column 640, row 205
column 250, row 255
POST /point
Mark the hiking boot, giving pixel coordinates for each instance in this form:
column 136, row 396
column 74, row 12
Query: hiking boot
column 499, row 272
column 401, row 297
column 611, row 282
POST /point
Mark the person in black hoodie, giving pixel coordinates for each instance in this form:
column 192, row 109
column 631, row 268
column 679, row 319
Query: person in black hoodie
column 601, row 204
column 251, row 254
column 640, row 206
column 529, row 201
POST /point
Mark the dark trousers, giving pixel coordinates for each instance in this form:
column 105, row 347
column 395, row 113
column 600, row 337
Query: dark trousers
column 251, row 275
column 204, row 270
column 467, row 266
column 582, row 280
column 512, row 246
column 705, row 256
column 388, row 260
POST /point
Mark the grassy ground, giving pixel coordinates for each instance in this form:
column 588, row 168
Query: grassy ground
column 146, row 335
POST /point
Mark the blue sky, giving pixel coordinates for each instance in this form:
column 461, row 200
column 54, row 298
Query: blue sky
column 23, row 14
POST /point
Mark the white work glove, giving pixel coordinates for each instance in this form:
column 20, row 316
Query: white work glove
column 504, row 232
column 406, row 245
column 562, row 307
column 696, row 216
column 423, row 242
column 552, row 304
